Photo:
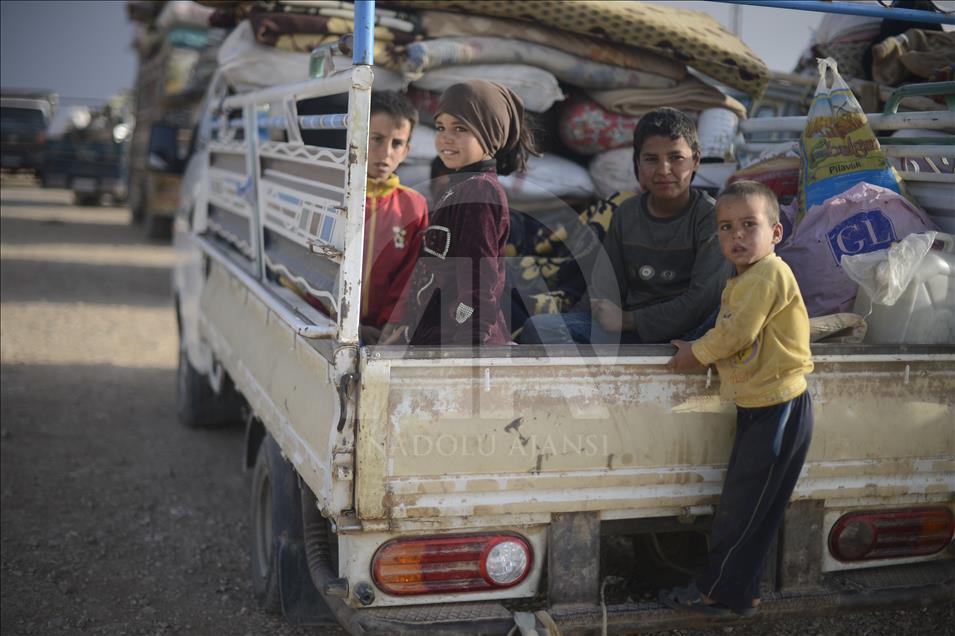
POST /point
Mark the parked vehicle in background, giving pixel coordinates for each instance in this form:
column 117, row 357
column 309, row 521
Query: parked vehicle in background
column 90, row 154
column 176, row 57
column 24, row 117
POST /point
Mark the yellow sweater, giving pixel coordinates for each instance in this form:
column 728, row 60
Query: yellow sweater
column 760, row 343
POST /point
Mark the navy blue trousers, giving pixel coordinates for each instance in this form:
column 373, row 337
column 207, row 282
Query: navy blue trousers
column 768, row 454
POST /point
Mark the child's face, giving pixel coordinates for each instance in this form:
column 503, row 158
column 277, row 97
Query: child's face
column 388, row 144
column 744, row 231
column 666, row 166
column 456, row 144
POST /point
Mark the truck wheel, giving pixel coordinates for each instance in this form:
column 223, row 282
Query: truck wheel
column 197, row 404
column 274, row 498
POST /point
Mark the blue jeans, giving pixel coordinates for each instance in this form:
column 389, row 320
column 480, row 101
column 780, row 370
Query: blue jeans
column 579, row 327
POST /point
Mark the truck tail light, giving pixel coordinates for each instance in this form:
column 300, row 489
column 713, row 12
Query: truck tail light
column 435, row 565
column 891, row 534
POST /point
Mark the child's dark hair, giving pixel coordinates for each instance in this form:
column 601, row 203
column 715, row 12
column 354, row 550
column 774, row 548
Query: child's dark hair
column 665, row 122
column 395, row 104
column 438, row 169
column 515, row 159
column 753, row 189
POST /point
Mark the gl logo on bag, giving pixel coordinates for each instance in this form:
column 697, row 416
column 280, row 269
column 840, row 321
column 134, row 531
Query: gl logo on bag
column 861, row 233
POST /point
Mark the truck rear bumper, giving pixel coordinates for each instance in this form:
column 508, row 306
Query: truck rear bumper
column 919, row 586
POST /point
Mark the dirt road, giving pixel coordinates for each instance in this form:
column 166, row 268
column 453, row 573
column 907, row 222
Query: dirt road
column 115, row 519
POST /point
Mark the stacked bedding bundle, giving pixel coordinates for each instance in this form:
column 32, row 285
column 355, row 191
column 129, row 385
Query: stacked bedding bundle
column 581, row 76
column 587, row 71
column 574, row 65
column 182, row 27
column 270, row 42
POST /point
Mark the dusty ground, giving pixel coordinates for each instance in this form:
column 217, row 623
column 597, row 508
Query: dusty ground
column 116, row 520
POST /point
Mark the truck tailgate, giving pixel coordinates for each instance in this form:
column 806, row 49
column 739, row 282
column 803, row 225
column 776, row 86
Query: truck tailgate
column 443, row 437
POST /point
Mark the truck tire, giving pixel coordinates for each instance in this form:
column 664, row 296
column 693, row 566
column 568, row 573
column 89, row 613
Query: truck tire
column 197, row 404
column 274, row 512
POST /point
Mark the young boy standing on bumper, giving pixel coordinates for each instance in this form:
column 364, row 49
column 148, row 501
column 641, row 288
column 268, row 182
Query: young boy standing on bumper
column 760, row 346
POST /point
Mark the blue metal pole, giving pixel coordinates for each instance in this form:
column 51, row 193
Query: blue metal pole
column 850, row 8
column 364, row 33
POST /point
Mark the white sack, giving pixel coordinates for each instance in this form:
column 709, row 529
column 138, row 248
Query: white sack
column 612, row 171
column 537, row 87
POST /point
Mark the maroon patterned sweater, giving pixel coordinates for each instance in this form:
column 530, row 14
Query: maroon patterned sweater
column 456, row 289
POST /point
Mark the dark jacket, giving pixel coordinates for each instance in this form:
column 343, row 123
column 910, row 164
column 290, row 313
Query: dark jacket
column 458, row 282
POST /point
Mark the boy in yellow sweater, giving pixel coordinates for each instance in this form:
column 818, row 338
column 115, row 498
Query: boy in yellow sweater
column 760, row 346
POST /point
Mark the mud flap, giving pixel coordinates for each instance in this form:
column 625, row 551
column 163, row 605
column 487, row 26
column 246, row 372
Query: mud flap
column 302, row 604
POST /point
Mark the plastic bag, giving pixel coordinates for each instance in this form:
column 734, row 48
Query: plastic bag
column 885, row 274
column 838, row 146
column 864, row 219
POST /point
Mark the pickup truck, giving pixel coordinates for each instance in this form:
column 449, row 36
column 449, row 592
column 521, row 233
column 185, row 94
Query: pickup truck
column 89, row 168
column 460, row 490
column 24, row 117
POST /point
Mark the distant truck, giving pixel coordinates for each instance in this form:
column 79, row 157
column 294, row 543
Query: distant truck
column 90, row 157
column 24, row 117
column 90, row 169
column 168, row 90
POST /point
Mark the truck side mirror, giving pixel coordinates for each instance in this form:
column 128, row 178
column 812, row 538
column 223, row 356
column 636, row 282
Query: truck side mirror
column 164, row 149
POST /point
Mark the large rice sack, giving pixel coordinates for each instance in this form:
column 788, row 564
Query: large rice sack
column 862, row 220
column 537, row 87
column 838, row 147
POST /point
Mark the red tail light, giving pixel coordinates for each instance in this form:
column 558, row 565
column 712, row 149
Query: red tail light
column 434, row 565
column 891, row 534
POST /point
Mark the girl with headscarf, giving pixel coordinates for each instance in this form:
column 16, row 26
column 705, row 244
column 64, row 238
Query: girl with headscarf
column 455, row 292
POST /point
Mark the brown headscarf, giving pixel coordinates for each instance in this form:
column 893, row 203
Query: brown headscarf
column 494, row 113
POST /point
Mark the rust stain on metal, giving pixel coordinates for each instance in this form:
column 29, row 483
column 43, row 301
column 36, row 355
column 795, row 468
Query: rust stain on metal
column 345, row 309
column 513, row 428
column 516, row 424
